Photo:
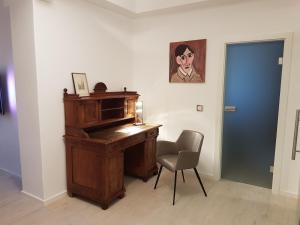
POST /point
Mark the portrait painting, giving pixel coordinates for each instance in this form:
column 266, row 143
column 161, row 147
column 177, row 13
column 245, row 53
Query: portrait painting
column 187, row 61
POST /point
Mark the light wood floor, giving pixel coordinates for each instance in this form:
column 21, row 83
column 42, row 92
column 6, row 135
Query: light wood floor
column 228, row 203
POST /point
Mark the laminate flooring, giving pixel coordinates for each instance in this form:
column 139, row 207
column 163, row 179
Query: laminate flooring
column 228, row 203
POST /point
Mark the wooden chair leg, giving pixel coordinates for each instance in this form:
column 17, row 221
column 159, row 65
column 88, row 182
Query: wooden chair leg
column 158, row 175
column 197, row 174
column 182, row 176
column 174, row 187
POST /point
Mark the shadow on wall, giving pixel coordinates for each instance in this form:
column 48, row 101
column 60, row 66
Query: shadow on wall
column 3, row 93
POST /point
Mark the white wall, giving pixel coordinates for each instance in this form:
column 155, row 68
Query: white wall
column 9, row 140
column 77, row 36
column 174, row 105
column 74, row 36
column 21, row 14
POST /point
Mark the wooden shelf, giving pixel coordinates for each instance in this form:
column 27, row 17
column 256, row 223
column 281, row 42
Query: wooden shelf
column 108, row 121
column 99, row 109
column 117, row 108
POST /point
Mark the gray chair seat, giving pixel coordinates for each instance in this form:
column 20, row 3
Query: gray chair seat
column 169, row 161
column 180, row 155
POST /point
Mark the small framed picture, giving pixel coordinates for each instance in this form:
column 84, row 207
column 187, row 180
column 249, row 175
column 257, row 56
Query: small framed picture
column 80, row 84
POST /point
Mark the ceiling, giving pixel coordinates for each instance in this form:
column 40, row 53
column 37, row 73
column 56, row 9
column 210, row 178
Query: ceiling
column 139, row 7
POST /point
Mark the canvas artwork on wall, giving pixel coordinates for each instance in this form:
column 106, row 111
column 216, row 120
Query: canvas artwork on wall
column 187, row 61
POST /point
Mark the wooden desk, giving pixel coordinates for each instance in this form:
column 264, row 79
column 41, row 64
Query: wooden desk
column 100, row 151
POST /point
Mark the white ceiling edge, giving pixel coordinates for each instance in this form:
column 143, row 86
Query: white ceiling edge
column 113, row 7
column 191, row 6
column 130, row 11
column 134, row 8
column 142, row 6
column 130, row 5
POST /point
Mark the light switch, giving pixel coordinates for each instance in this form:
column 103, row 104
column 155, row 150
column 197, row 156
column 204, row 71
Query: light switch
column 280, row 61
column 200, row 108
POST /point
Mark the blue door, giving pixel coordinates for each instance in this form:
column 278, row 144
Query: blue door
column 251, row 103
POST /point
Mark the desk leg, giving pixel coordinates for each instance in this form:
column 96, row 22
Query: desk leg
column 70, row 194
column 121, row 196
column 104, row 206
column 150, row 158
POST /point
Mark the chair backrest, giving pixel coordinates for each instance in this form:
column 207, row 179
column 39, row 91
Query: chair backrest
column 190, row 141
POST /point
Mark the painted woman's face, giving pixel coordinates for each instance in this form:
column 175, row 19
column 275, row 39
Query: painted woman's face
column 185, row 60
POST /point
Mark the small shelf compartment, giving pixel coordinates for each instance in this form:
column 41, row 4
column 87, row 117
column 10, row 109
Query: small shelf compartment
column 112, row 103
column 112, row 113
column 112, row 108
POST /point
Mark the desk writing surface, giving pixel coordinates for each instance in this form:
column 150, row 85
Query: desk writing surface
column 121, row 132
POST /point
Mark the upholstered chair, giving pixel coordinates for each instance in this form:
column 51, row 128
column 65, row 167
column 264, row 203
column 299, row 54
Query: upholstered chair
column 180, row 155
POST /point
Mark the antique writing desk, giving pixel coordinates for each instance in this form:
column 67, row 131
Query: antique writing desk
column 102, row 145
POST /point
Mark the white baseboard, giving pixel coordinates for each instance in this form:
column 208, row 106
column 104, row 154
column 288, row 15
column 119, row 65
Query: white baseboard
column 32, row 195
column 289, row 194
column 55, row 197
column 11, row 173
column 205, row 175
column 210, row 176
column 48, row 200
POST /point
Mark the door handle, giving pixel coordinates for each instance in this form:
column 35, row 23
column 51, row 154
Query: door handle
column 295, row 140
column 230, row 108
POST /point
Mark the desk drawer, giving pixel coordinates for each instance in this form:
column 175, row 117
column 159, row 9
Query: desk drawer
column 128, row 142
column 152, row 133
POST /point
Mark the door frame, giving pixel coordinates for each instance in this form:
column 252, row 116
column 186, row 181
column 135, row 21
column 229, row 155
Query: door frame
column 283, row 101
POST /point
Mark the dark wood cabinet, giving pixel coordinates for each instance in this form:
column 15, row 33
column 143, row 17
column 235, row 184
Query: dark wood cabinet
column 102, row 145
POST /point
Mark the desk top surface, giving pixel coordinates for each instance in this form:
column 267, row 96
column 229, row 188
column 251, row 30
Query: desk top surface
column 121, row 132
